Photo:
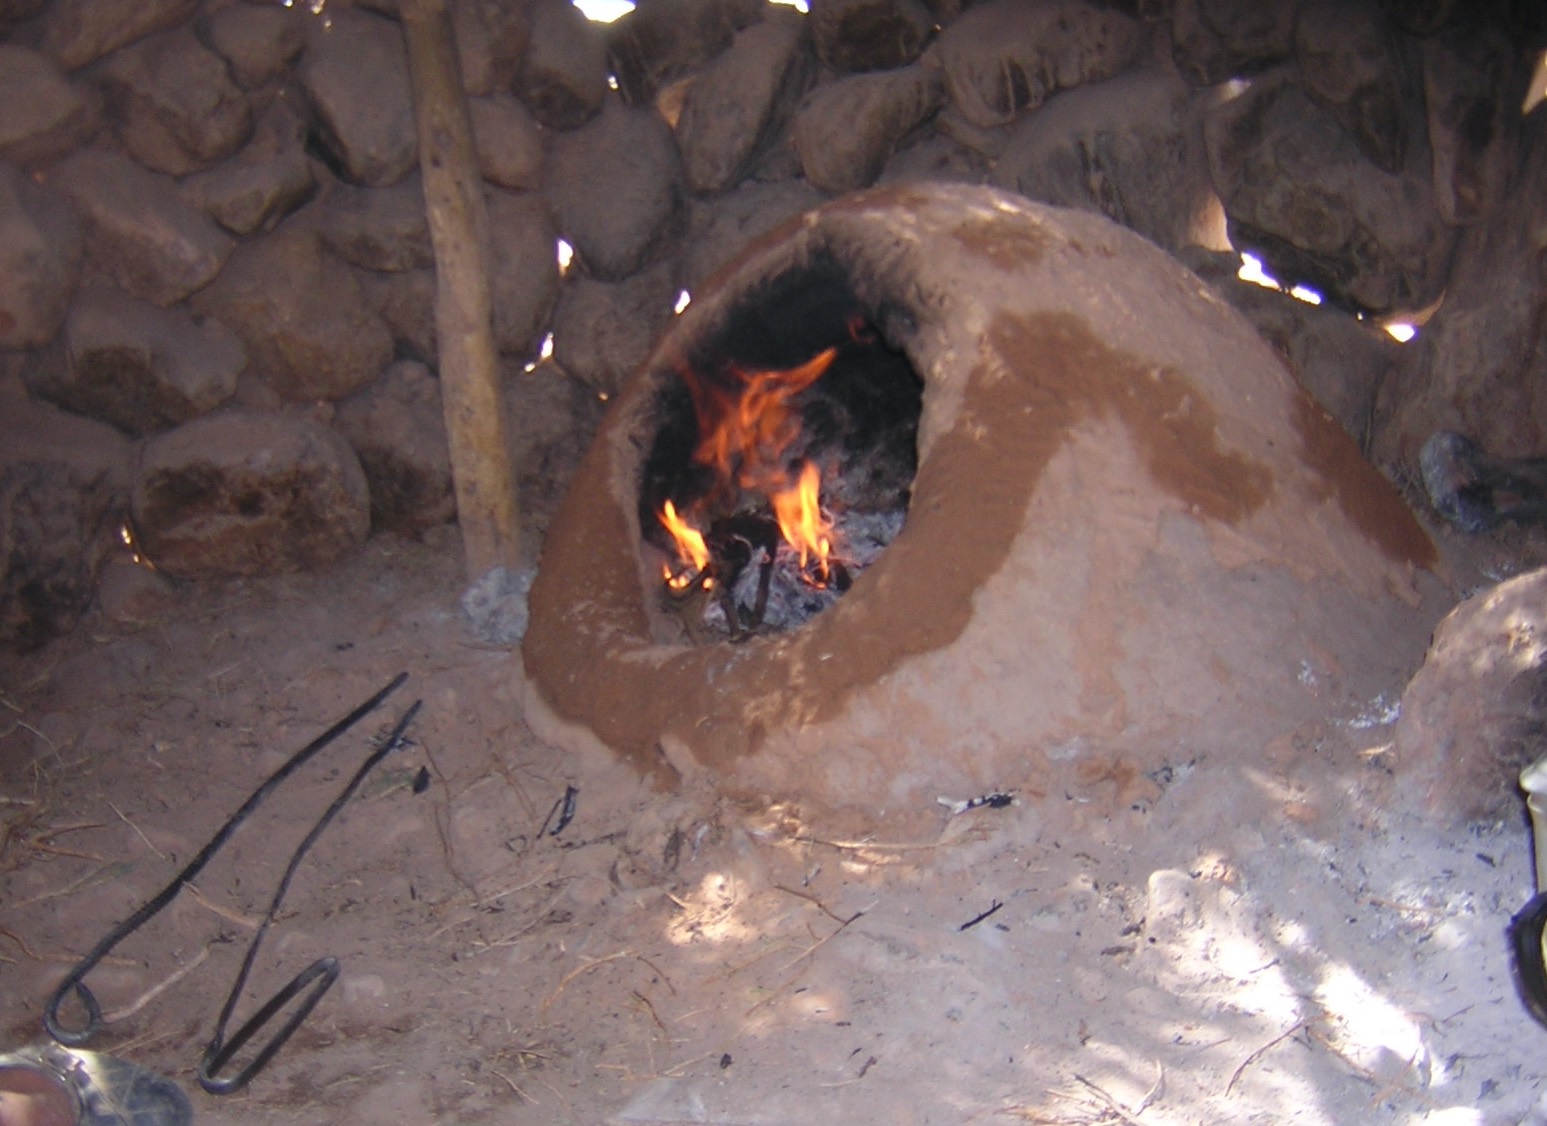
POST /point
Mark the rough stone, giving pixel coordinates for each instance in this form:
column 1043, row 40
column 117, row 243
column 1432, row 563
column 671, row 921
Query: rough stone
column 259, row 186
column 309, row 331
column 938, row 157
column 406, row 304
column 739, row 103
column 719, row 228
column 397, row 429
column 1480, row 364
column 1215, row 40
column 615, row 186
column 1002, row 57
column 1351, row 65
column 845, row 131
column 549, row 419
column 43, row 115
column 355, row 74
column 509, row 142
column 258, row 41
column 1472, row 716
column 249, row 493
column 1474, row 79
column 525, row 269
column 563, row 78
column 1301, row 196
column 142, row 235
column 378, row 228
column 77, row 32
column 858, row 35
column 1128, row 148
column 173, row 104
column 40, row 260
column 64, row 492
column 661, row 43
column 137, row 366
column 602, row 331
column 491, row 37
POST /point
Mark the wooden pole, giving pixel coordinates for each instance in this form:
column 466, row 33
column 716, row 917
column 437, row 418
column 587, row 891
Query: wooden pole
column 459, row 231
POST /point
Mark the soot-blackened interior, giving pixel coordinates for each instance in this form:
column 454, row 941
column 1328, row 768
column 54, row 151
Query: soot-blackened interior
column 858, row 422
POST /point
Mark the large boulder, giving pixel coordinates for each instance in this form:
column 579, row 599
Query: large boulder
column 1473, row 715
column 846, row 130
column 859, row 35
column 397, row 429
column 143, row 235
column 563, row 75
column 135, row 365
column 355, row 75
column 491, row 38
column 43, row 115
column 616, row 188
column 249, row 493
column 309, row 331
column 720, row 227
column 1352, row 66
column 739, row 103
column 78, row 32
column 1474, row 79
column 258, row 186
column 1480, row 365
column 1213, row 40
column 524, row 274
column 383, row 229
column 174, row 105
column 40, row 260
column 659, row 44
column 1003, row 57
column 64, row 495
column 1301, row 195
column 258, row 41
column 509, row 142
column 602, row 331
column 1127, row 148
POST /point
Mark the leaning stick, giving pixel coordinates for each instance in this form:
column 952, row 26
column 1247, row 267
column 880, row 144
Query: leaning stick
column 459, row 232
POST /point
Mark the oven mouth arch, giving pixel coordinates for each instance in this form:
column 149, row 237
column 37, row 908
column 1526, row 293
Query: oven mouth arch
column 797, row 380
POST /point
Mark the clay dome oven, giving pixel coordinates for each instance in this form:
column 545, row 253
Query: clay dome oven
column 1127, row 530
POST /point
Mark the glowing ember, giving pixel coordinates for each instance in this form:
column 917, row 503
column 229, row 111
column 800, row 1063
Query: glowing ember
column 691, row 547
column 801, row 522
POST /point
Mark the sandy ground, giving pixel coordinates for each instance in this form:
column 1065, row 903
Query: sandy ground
column 1278, row 944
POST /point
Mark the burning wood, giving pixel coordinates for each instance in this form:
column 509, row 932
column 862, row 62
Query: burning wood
column 783, row 462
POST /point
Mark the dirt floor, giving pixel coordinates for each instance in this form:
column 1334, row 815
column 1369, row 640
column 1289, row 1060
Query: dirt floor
column 1273, row 945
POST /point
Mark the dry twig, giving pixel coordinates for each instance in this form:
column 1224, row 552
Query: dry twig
column 1264, row 1050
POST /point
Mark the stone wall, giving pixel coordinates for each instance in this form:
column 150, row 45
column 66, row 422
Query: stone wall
column 216, row 282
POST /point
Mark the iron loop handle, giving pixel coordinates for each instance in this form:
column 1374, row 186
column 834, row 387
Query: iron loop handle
column 324, row 972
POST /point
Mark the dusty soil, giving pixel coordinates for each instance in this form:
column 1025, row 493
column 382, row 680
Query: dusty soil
column 1280, row 944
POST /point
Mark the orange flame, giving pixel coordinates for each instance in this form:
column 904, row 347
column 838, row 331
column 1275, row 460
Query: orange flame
column 743, row 437
column 799, row 512
column 691, row 547
column 744, row 430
